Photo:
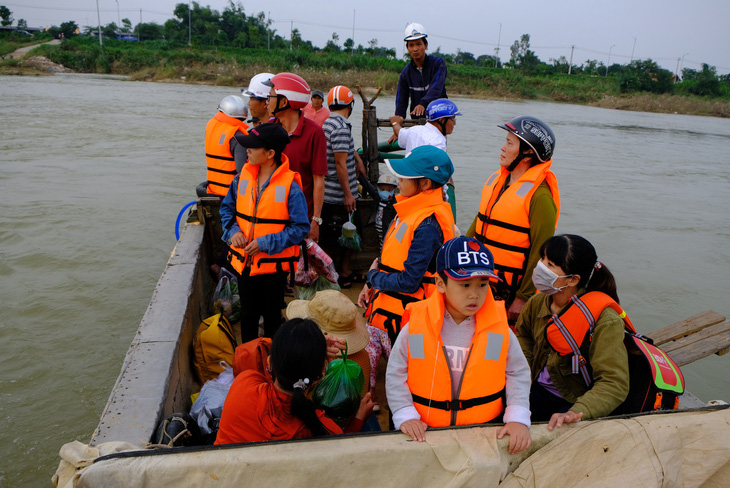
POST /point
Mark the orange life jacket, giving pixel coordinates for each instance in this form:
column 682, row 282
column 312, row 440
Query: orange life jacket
column 503, row 221
column 572, row 328
column 218, row 157
column 386, row 307
column 260, row 215
column 480, row 395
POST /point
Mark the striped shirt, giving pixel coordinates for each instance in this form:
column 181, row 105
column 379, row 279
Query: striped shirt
column 338, row 131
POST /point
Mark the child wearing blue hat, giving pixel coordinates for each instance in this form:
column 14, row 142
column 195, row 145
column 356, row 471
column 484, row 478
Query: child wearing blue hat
column 405, row 271
column 456, row 362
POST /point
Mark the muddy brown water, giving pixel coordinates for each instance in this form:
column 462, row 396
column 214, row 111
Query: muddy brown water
column 95, row 170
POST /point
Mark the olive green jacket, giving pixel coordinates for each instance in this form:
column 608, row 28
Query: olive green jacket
column 608, row 362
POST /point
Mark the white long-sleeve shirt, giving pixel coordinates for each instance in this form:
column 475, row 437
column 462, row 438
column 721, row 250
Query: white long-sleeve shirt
column 457, row 340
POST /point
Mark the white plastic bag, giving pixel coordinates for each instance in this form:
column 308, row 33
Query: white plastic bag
column 208, row 406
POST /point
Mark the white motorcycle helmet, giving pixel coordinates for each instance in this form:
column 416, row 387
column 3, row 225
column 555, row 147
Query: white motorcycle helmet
column 234, row 106
column 415, row 31
column 256, row 87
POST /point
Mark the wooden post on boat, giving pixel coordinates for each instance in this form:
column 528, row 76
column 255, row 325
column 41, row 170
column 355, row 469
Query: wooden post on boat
column 370, row 135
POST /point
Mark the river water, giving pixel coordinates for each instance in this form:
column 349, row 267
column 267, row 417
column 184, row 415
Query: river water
column 95, row 170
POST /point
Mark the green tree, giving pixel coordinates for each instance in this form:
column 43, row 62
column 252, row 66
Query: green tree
column 233, row 22
column 332, row 46
column 560, row 65
column 22, row 24
column 592, row 67
column 126, row 26
column 6, row 15
column 149, row 31
column 296, row 39
column 68, row 29
column 704, row 83
column 109, row 30
column 349, row 45
column 645, row 75
column 522, row 58
column 464, row 57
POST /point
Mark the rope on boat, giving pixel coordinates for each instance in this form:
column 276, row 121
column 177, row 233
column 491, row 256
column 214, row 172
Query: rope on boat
column 179, row 217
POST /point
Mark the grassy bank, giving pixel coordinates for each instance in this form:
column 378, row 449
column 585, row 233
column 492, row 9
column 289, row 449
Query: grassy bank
column 227, row 66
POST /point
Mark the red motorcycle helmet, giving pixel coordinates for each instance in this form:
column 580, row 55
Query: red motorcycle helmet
column 292, row 87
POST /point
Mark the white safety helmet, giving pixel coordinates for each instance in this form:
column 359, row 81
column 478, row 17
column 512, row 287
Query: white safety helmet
column 256, row 87
column 234, row 106
column 387, row 179
column 415, row 31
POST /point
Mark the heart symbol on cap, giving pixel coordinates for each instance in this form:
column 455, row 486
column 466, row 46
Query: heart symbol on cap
column 474, row 245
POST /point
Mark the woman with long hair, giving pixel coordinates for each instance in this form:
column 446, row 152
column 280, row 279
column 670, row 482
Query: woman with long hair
column 572, row 335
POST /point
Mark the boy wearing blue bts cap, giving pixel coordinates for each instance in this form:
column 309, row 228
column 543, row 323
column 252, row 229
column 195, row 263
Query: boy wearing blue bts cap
column 456, row 362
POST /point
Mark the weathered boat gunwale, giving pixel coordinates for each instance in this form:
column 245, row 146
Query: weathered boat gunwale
column 155, row 376
column 310, row 440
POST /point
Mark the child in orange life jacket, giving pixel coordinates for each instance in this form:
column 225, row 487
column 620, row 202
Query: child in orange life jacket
column 405, row 270
column 564, row 390
column 264, row 218
column 456, row 362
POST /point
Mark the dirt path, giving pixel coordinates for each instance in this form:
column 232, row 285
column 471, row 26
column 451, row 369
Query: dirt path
column 19, row 53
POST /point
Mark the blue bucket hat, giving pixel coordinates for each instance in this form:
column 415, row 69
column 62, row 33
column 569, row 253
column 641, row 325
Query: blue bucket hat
column 423, row 162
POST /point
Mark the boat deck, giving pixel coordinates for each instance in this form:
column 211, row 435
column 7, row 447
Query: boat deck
column 694, row 338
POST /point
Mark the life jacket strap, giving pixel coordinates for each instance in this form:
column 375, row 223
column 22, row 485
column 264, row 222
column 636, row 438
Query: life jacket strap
column 261, row 220
column 578, row 361
column 456, row 405
column 224, row 158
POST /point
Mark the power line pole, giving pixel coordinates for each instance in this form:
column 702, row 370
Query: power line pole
column 190, row 28
column 499, row 38
column 98, row 20
column 570, row 65
column 609, row 58
column 268, row 31
column 353, row 33
column 139, row 31
column 291, row 35
column 632, row 50
column 119, row 18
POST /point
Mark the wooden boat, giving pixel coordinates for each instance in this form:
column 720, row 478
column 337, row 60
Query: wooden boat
column 686, row 447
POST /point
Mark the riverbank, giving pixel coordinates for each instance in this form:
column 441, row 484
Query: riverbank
column 224, row 66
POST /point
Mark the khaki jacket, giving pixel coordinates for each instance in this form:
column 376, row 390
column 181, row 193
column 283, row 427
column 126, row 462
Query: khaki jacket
column 607, row 359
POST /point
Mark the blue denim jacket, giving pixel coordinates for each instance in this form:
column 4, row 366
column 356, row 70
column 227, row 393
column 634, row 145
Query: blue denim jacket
column 291, row 235
column 427, row 239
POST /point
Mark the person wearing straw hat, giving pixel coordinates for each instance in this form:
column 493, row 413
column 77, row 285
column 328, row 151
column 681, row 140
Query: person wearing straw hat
column 337, row 316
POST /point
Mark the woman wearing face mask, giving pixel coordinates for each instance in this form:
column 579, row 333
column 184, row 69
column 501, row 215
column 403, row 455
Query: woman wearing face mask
column 577, row 305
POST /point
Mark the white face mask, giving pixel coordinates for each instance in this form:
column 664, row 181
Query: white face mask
column 544, row 279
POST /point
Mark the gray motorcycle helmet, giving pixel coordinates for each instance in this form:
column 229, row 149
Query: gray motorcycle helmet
column 234, row 106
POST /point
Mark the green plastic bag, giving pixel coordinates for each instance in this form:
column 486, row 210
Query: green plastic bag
column 338, row 394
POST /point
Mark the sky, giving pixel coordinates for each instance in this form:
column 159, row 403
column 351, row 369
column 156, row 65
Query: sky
column 675, row 33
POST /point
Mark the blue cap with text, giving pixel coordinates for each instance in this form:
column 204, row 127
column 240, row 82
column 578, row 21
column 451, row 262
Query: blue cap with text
column 463, row 258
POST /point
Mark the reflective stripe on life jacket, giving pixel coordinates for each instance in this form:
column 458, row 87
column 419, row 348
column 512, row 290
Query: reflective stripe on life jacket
column 479, row 396
column 218, row 157
column 386, row 307
column 572, row 328
column 264, row 214
column 503, row 221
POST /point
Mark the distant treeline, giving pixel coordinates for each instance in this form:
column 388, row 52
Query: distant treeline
column 203, row 44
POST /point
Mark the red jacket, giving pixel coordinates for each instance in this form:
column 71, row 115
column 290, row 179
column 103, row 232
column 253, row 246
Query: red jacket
column 256, row 411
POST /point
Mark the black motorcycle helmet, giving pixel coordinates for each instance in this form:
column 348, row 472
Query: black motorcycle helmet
column 535, row 134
